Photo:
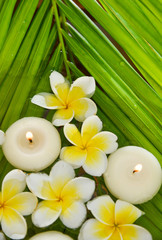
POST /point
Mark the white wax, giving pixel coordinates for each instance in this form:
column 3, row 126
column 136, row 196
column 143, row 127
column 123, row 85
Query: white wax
column 133, row 174
column 31, row 154
column 51, row 235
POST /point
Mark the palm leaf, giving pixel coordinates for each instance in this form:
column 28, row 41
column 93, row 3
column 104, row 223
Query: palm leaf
column 127, row 104
column 141, row 53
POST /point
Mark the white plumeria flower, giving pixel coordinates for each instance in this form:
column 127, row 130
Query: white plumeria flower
column 63, row 196
column 71, row 101
column 51, row 235
column 113, row 221
column 2, row 237
column 90, row 146
column 14, row 203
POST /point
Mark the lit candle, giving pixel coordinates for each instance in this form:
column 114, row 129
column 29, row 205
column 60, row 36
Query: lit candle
column 51, row 235
column 31, row 144
column 133, row 174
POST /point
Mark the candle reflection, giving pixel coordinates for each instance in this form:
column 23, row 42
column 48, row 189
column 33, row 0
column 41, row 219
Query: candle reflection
column 29, row 136
column 137, row 168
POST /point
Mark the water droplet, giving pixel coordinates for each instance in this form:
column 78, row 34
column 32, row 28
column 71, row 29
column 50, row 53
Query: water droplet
column 135, row 106
column 122, row 64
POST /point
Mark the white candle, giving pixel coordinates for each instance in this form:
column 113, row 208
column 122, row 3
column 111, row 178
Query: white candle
column 31, row 144
column 133, row 174
column 51, row 235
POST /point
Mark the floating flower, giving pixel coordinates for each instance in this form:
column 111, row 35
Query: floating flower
column 14, row 203
column 113, row 221
column 71, row 101
column 91, row 146
column 63, row 196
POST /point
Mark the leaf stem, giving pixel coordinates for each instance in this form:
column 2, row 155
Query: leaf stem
column 61, row 39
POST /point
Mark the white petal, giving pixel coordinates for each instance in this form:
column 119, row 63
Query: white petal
column 1, row 213
column 91, row 126
column 82, row 187
column 2, row 237
column 60, row 174
column 80, row 237
column 103, row 209
column 55, row 79
column 62, row 116
column 96, row 162
column 73, row 155
column 126, row 213
column 72, row 134
column 83, row 108
column 92, row 229
column 46, row 213
column 87, row 84
column 13, row 224
column 39, row 184
column 134, row 232
column 62, row 92
column 2, row 137
column 24, row 203
column 74, row 94
column 13, row 183
column 47, row 100
column 105, row 141
column 74, row 216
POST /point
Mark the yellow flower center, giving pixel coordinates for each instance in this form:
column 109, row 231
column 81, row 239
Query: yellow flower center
column 66, row 105
column 83, row 147
column 59, row 199
column 115, row 225
column 2, row 205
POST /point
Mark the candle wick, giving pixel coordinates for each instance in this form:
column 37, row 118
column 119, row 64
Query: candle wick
column 137, row 168
column 29, row 137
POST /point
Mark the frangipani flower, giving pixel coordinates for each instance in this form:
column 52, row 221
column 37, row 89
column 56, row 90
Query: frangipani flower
column 71, row 101
column 91, row 146
column 63, row 196
column 113, row 221
column 14, row 203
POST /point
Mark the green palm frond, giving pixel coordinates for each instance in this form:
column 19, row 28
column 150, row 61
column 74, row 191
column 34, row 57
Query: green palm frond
column 141, row 52
column 59, row 35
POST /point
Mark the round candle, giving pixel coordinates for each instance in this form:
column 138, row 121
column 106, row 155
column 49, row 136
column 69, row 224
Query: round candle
column 51, row 235
column 133, row 174
column 31, row 144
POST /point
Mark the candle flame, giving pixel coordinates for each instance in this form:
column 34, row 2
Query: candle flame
column 137, row 168
column 29, row 136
